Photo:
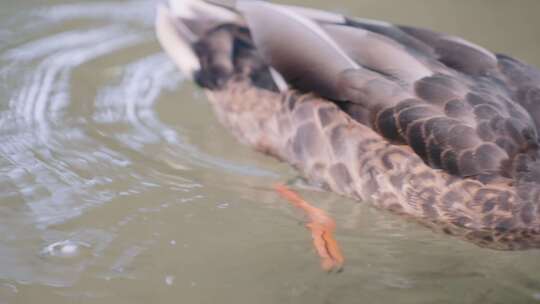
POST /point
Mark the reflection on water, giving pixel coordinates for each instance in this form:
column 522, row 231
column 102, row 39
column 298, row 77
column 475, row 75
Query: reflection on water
column 117, row 184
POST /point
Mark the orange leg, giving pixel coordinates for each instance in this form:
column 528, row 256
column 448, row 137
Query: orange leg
column 322, row 228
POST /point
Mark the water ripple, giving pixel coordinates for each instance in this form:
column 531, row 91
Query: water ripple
column 71, row 148
column 51, row 166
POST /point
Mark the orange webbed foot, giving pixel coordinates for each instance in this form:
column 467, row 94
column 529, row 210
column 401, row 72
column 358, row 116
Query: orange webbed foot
column 322, row 228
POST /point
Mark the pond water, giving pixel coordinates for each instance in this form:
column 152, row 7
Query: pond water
column 117, row 184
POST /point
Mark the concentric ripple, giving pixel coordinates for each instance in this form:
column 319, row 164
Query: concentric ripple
column 73, row 145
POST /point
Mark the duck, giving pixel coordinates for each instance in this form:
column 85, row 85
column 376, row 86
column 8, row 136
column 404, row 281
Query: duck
column 423, row 124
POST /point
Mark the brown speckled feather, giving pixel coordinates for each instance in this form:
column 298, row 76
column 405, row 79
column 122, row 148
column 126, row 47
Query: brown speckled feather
column 420, row 123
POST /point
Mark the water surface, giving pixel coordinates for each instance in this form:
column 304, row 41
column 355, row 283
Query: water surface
column 119, row 186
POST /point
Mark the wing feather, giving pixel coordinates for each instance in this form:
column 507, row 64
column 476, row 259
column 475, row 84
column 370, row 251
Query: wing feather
column 457, row 105
column 303, row 54
column 383, row 55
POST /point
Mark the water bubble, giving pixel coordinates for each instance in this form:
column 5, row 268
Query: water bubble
column 65, row 249
column 223, row 205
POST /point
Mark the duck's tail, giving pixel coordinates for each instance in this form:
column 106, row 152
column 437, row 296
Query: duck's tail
column 180, row 23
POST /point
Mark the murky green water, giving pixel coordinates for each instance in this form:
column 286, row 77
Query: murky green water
column 117, row 185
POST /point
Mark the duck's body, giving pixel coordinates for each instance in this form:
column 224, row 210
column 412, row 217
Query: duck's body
column 419, row 123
